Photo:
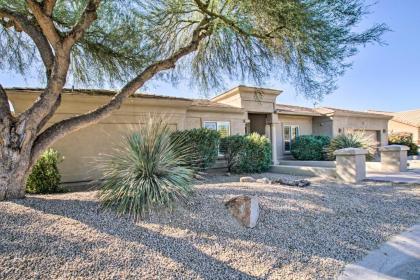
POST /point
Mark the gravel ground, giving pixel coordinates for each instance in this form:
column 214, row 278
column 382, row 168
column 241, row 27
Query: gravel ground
column 303, row 233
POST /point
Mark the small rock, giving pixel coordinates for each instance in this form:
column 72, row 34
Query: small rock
column 247, row 180
column 227, row 174
column 264, row 181
column 244, row 209
column 295, row 183
column 199, row 177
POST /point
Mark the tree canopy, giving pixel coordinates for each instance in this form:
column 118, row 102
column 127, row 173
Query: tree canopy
column 130, row 42
column 306, row 42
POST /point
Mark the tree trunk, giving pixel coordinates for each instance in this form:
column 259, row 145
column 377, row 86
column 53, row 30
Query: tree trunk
column 14, row 169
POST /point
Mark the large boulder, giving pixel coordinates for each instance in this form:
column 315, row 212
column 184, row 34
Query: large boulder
column 244, row 209
column 247, row 180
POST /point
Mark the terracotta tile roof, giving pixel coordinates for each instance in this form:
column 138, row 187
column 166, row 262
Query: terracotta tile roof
column 103, row 92
column 411, row 117
column 100, row 92
column 345, row 112
column 296, row 110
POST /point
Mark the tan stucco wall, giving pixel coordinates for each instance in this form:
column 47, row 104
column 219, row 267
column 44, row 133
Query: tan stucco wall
column 395, row 127
column 349, row 123
column 322, row 126
column 305, row 128
column 82, row 149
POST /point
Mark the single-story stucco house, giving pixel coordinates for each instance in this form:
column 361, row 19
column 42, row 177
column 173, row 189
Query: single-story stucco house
column 405, row 121
column 238, row 111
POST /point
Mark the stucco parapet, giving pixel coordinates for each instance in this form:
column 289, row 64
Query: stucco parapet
column 394, row 148
column 350, row 152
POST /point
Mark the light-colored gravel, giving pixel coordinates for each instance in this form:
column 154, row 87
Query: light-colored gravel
column 303, row 233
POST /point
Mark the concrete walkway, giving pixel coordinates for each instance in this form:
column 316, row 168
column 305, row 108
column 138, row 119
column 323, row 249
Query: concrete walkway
column 409, row 177
column 399, row 258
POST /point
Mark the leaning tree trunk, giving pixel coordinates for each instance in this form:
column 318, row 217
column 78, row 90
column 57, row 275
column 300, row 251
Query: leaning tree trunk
column 14, row 168
column 15, row 155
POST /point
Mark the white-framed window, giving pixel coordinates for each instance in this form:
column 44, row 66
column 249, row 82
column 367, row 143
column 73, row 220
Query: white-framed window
column 290, row 132
column 222, row 127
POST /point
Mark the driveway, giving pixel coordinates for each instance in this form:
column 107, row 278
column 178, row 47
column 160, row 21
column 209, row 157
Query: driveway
column 399, row 258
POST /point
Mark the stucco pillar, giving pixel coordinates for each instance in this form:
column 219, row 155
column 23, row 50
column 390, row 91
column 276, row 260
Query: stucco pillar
column 394, row 158
column 351, row 165
column 274, row 143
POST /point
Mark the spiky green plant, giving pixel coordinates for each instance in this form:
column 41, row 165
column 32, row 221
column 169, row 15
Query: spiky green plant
column 357, row 139
column 149, row 171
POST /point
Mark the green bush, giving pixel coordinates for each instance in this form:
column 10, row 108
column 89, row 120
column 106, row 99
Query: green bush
column 309, row 147
column 45, row 177
column 406, row 139
column 247, row 154
column 352, row 140
column 148, row 171
column 231, row 148
column 204, row 146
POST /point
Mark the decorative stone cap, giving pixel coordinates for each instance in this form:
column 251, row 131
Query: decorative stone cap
column 394, row 148
column 350, row 152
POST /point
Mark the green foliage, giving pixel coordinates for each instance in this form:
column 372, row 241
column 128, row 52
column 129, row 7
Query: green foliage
column 353, row 140
column 231, row 148
column 247, row 154
column 308, row 43
column 204, row 146
column 405, row 139
column 309, row 147
column 45, row 177
column 147, row 172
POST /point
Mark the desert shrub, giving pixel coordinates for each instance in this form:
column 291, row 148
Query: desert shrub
column 250, row 153
column 406, row 139
column 357, row 139
column 45, row 177
column 204, row 146
column 148, row 171
column 309, row 147
column 231, row 148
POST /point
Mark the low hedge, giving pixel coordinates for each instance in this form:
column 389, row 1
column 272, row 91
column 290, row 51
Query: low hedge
column 310, row 147
column 205, row 145
column 45, row 177
column 405, row 139
column 247, row 153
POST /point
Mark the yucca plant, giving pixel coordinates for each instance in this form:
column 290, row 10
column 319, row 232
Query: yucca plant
column 357, row 139
column 149, row 171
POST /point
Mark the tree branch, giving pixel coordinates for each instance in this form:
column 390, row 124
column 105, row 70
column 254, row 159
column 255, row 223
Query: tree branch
column 48, row 7
column 60, row 129
column 204, row 8
column 88, row 17
column 22, row 23
column 46, row 24
column 43, row 109
column 4, row 105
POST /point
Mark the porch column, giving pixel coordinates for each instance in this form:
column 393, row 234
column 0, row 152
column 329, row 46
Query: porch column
column 274, row 143
column 351, row 165
column 394, row 158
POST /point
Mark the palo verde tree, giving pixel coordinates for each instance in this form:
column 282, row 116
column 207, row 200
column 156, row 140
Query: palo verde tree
column 129, row 42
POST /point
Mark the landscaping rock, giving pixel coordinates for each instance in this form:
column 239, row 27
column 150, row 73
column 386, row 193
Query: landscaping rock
column 227, row 174
column 247, row 180
column 199, row 177
column 244, row 209
column 263, row 181
column 295, row 183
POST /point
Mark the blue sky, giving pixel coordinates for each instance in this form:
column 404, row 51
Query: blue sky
column 382, row 77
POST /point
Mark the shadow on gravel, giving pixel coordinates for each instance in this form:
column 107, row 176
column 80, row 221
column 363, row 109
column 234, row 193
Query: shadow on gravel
column 328, row 221
column 89, row 213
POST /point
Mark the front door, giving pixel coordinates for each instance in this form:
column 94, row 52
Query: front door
column 290, row 132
